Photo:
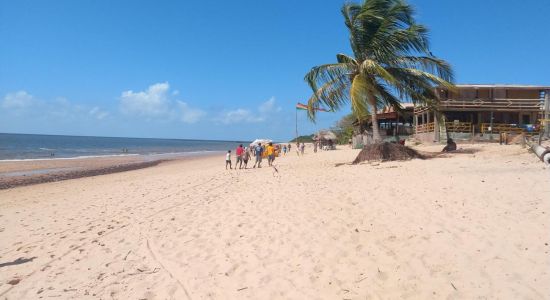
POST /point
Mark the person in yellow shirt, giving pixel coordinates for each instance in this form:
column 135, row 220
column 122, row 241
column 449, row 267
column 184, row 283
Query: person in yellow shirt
column 270, row 153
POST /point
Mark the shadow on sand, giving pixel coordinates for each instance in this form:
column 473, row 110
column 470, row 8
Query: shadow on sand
column 18, row 261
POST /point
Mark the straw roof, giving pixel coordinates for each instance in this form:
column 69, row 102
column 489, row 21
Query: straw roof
column 326, row 135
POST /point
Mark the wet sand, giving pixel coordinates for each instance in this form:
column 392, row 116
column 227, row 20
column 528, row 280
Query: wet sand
column 28, row 172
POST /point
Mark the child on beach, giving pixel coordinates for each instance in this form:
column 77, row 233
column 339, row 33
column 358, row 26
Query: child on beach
column 228, row 159
column 246, row 156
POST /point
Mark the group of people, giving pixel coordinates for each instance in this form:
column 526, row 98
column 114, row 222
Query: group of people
column 243, row 155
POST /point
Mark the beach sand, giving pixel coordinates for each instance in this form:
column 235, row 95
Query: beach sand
column 462, row 226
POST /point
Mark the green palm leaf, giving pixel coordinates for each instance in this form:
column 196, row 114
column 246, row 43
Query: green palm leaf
column 391, row 63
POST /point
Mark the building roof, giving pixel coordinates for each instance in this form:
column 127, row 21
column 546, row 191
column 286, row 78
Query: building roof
column 517, row 86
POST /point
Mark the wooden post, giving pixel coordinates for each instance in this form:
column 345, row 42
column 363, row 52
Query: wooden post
column 472, row 125
column 546, row 113
column 397, row 127
column 415, row 120
column 436, row 127
column 491, row 126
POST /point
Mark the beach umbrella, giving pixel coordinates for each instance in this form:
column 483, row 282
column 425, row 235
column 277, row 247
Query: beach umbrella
column 262, row 141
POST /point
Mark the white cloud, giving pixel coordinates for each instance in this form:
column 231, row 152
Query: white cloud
column 269, row 107
column 22, row 103
column 156, row 102
column 18, row 100
column 188, row 114
column 98, row 113
column 241, row 115
column 151, row 103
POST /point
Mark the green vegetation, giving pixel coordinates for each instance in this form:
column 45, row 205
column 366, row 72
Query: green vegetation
column 391, row 62
column 303, row 139
column 343, row 129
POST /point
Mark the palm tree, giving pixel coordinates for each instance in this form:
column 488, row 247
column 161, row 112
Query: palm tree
column 391, row 62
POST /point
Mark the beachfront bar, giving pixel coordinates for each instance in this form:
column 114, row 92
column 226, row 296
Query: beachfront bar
column 479, row 111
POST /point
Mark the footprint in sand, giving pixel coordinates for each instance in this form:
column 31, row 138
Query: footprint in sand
column 382, row 275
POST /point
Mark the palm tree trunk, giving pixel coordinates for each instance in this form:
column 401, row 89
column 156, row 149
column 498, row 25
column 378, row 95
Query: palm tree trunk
column 374, row 119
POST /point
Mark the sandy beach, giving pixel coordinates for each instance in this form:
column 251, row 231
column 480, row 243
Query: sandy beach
column 462, row 226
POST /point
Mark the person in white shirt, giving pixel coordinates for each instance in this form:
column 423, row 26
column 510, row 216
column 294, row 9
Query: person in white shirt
column 228, row 159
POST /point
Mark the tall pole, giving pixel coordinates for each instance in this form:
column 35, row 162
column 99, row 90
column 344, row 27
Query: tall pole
column 296, row 125
column 491, row 126
column 546, row 113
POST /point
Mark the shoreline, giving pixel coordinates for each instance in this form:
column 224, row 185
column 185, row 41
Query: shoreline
column 30, row 172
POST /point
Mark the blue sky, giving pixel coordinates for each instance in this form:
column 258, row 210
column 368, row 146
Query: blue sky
column 222, row 69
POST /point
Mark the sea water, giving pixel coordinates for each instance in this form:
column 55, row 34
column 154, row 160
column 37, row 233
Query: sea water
column 36, row 146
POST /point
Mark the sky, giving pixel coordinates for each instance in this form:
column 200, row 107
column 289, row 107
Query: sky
column 225, row 70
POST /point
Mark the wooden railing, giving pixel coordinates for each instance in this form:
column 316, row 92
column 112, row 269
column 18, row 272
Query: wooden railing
column 458, row 127
column 496, row 103
column 423, row 128
column 499, row 127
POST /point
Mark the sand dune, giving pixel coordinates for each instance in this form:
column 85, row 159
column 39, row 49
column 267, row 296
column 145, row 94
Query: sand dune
column 461, row 226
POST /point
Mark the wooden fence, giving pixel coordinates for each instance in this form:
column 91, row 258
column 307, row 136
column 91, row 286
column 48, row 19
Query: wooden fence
column 458, row 127
column 499, row 127
column 423, row 128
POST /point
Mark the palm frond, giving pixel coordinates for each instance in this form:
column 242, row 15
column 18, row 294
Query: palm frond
column 386, row 98
column 371, row 68
column 326, row 73
column 345, row 59
column 333, row 94
column 428, row 63
column 391, row 62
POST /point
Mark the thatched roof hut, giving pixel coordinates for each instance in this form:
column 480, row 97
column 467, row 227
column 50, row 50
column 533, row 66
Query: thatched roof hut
column 326, row 138
column 326, row 135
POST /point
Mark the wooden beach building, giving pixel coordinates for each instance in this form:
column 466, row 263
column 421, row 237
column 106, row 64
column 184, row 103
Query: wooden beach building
column 482, row 111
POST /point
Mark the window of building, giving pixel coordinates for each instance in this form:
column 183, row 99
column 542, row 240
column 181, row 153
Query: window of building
column 542, row 94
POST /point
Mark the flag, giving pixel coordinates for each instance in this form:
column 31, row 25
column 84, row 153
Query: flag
column 301, row 106
column 304, row 107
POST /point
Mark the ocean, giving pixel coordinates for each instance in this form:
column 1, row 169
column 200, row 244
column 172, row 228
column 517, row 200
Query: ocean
column 37, row 146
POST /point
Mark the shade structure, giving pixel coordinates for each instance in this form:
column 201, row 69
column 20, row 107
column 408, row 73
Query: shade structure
column 326, row 135
column 258, row 141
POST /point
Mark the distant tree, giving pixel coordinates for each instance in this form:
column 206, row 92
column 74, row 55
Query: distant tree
column 344, row 128
column 391, row 62
column 303, row 139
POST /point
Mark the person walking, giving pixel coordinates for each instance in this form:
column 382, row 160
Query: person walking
column 239, row 159
column 270, row 154
column 258, row 151
column 246, row 156
column 302, row 148
column 314, row 146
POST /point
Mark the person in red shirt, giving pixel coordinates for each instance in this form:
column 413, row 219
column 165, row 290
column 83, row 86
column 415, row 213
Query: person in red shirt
column 239, row 154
